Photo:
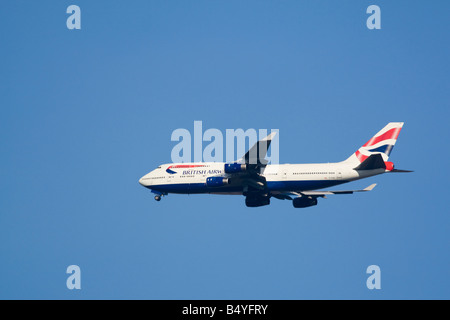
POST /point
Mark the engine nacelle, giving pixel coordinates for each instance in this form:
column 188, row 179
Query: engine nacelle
column 235, row 167
column 257, row 201
column 217, row 181
column 303, row 202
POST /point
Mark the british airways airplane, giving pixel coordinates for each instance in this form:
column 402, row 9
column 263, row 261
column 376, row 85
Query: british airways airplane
column 259, row 181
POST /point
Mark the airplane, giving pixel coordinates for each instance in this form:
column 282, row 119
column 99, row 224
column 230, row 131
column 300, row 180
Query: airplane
column 252, row 176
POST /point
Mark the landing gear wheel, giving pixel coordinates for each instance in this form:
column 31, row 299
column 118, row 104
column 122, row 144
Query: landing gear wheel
column 158, row 198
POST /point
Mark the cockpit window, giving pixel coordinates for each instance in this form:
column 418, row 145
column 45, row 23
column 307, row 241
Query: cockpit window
column 159, row 167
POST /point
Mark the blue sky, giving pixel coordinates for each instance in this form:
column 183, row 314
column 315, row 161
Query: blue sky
column 85, row 113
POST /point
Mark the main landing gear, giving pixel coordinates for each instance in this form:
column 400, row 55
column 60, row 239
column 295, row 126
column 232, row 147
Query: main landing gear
column 158, row 198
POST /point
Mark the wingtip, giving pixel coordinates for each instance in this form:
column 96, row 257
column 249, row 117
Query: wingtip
column 369, row 188
column 270, row 136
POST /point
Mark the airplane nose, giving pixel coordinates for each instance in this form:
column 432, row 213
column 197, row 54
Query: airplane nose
column 146, row 180
column 142, row 181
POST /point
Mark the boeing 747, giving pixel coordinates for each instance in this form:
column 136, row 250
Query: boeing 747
column 252, row 176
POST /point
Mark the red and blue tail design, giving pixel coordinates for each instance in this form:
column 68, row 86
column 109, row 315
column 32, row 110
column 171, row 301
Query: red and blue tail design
column 381, row 143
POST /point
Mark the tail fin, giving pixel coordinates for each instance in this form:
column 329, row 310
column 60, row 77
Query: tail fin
column 381, row 143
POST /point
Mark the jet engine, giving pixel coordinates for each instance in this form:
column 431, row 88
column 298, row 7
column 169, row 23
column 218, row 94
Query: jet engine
column 257, row 201
column 235, row 167
column 217, row 181
column 303, row 202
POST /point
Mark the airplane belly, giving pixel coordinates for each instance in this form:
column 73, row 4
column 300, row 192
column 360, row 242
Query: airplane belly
column 298, row 185
column 195, row 188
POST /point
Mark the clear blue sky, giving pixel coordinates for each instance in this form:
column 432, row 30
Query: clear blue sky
column 85, row 113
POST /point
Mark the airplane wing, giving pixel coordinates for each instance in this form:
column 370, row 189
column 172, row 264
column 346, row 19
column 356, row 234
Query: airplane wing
column 250, row 178
column 312, row 193
column 256, row 155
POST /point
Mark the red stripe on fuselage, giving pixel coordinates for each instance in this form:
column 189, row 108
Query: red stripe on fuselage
column 184, row 166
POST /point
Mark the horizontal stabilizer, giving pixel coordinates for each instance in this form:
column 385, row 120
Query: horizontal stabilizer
column 375, row 161
column 399, row 170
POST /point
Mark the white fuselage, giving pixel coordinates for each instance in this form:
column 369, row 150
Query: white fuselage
column 190, row 178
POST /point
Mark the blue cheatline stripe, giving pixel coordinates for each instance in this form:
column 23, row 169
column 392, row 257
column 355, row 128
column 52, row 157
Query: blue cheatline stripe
column 170, row 171
column 186, row 188
column 384, row 149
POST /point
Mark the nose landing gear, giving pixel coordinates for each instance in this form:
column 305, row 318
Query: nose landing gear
column 158, row 195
